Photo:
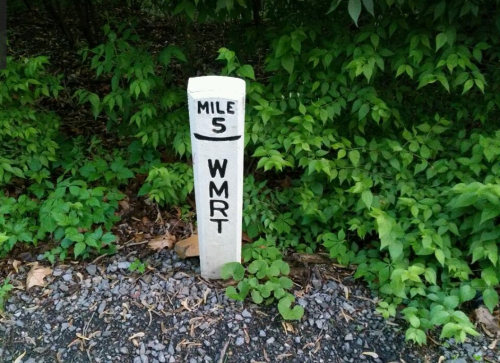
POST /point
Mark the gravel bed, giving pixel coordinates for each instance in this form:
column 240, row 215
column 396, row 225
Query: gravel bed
column 105, row 313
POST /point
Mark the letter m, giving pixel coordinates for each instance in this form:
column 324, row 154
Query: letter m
column 202, row 106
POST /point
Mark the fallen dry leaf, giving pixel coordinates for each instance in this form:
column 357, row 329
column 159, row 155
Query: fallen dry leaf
column 36, row 276
column 188, row 247
column 371, row 354
column 124, row 204
column 16, row 265
column 487, row 321
column 80, row 276
column 18, row 359
column 163, row 329
column 493, row 344
column 287, row 327
column 245, row 237
column 136, row 335
column 205, row 295
column 311, row 259
column 161, row 242
column 346, row 292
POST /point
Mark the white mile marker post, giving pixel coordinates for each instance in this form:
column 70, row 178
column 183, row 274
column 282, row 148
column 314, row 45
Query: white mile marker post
column 217, row 120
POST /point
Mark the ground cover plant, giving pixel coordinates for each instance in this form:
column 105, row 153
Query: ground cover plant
column 371, row 133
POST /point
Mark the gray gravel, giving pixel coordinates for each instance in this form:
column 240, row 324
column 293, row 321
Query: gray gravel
column 105, row 313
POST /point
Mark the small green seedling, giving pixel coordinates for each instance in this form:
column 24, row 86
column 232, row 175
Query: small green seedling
column 138, row 266
column 4, row 292
column 265, row 284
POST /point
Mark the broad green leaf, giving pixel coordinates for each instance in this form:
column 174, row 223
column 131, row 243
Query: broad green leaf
column 440, row 256
column 414, row 321
column 440, row 40
column 354, row 156
column 354, row 8
column 440, row 317
column 246, row 71
column 439, row 9
column 468, row 85
column 108, row 238
column 489, row 212
column 233, row 270
column 363, row 111
column 288, row 313
column 288, row 62
column 257, row 297
column 369, row 6
column 467, row 293
column 367, row 198
column 3, row 237
column 79, row 248
column 490, row 297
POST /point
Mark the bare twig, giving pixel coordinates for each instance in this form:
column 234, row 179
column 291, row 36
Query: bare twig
column 223, row 352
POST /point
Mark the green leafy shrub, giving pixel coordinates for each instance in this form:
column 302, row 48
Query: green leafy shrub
column 72, row 213
column 372, row 132
column 143, row 100
column 386, row 133
column 27, row 133
column 18, row 222
column 262, row 249
column 169, row 185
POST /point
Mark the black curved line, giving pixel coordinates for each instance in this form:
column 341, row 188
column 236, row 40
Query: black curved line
column 209, row 138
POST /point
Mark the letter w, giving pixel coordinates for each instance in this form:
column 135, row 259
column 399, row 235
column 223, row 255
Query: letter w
column 217, row 167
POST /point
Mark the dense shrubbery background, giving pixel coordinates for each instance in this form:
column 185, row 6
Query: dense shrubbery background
column 372, row 132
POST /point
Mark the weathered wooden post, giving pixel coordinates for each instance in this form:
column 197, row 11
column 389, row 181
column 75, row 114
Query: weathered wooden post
column 217, row 120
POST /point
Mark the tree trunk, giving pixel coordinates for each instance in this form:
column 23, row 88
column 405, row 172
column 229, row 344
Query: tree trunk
column 88, row 21
column 61, row 23
column 257, row 7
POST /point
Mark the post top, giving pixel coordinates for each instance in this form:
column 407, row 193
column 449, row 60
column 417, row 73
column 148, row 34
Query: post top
column 216, row 84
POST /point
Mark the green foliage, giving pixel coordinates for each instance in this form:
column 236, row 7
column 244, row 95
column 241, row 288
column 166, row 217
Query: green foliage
column 18, row 222
column 370, row 132
column 27, row 133
column 5, row 288
column 72, row 214
column 266, row 282
column 138, row 266
column 385, row 133
column 143, row 101
column 76, row 216
column 262, row 249
column 169, row 185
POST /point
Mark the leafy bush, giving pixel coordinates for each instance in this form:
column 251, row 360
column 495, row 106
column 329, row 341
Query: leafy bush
column 169, row 185
column 386, row 133
column 27, row 133
column 18, row 222
column 371, row 125
column 71, row 213
column 143, row 101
